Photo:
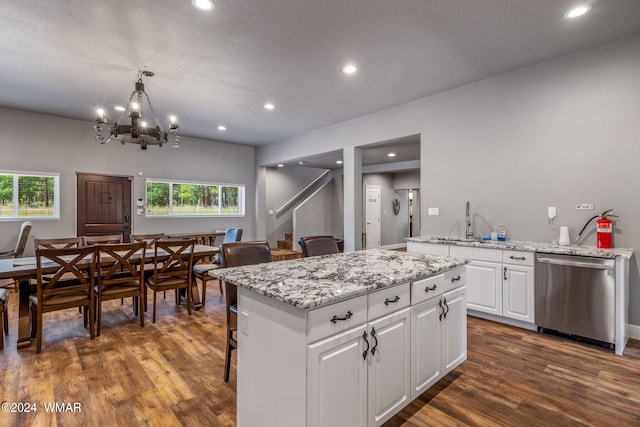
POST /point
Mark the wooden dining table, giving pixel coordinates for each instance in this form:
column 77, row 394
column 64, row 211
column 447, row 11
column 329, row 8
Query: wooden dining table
column 24, row 270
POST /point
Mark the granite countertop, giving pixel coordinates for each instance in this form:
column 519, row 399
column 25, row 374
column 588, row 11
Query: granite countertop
column 316, row 281
column 526, row 246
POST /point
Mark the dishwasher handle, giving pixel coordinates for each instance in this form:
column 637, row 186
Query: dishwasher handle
column 584, row 264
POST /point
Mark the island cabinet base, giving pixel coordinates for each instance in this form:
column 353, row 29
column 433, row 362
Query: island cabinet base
column 351, row 363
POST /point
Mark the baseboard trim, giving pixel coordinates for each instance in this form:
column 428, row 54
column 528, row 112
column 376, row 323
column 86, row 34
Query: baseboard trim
column 633, row 331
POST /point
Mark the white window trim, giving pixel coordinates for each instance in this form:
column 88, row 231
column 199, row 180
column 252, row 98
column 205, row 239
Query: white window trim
column 56, row 194
column 241, row 199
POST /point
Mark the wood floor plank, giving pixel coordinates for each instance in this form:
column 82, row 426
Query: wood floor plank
column 170, row 374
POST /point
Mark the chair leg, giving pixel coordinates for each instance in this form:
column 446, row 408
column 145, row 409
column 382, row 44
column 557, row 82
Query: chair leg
column 140, row 310
column 189, row 298
column 92, row 315
column 227, row 358
column 99, row 310
column 221, row 288
column 3, row 313
column 204, row 289
column 154, row 306
column 39, row 329
column 5, row 320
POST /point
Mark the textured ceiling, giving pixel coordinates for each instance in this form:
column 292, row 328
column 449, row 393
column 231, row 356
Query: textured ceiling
column 68, row 57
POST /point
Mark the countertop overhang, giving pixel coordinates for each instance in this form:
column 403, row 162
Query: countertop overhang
column 316, row 281
column 527, row 246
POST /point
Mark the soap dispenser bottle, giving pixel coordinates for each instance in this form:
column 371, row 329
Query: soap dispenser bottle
column 502, row 233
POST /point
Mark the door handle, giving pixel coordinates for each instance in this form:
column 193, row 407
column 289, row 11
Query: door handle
column 375, row 346
column 364, row 353
column 505, row 273
column 442, row 312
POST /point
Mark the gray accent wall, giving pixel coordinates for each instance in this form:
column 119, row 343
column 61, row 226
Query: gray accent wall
column 559, row 133
column 43, row 143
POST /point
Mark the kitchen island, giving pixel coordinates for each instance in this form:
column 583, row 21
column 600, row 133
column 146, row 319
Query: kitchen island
column 345, row 339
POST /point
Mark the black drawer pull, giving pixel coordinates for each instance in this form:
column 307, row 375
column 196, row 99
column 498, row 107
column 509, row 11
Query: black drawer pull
column 364, row 353
column 375, row 346
column 335, row 319
column 519, row 258
column 455, row 279
column 432, row 288
column 389, row 301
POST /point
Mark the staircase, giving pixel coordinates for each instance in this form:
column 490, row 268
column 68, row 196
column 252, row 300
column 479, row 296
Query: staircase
column 284, row 249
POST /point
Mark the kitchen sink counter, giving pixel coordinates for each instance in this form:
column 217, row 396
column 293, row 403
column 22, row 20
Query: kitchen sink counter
column 316, row 281
column 526, row 246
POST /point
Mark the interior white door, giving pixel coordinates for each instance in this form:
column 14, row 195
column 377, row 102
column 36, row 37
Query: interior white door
column 372, row 216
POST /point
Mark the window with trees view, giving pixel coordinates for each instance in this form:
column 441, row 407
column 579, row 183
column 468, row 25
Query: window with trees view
column 29, row 195
column 168, row 198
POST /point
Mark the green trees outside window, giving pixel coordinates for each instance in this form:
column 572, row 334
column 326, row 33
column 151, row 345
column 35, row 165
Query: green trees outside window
column 28, row 195
column 192, row 199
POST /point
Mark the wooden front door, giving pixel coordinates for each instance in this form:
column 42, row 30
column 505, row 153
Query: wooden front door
column 104, row 205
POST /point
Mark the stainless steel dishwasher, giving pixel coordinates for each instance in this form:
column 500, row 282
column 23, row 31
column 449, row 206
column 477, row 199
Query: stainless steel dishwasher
column 575, row 295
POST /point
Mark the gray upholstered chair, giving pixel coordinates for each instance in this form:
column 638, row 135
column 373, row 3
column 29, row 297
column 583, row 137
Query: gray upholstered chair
column 234, row 255
column 318, row 245
column 201, row 271
column 17, row 252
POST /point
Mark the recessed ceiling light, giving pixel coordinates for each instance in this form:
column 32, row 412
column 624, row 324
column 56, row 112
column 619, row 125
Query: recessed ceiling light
column 173, row 119
column 222, row 128
column 577, row 11
column 339, row 162
column 203, row 4
column 349, row 69
column 280, row 165
column 391, row 155
column 269, row 106
column 100, row 112
column 119, row 108
column 144, row 124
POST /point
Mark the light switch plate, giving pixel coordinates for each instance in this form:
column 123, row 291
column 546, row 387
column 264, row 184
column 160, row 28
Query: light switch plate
column 552, row 212
column 433, row 211
column 584, row 207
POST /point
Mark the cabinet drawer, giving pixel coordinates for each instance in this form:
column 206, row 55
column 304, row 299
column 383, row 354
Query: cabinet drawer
column 336, row 318
column 455, row 278
column 517, row 257
column 478, row 254
column 388, row 300
column 422, row 290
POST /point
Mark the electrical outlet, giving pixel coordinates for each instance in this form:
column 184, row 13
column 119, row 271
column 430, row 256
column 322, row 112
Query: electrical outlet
column 584, row 207
column 552, row 212
column 433, row 211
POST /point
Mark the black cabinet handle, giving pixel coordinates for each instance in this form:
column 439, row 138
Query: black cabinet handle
column 364, row 337
column 519, row 258
column 455, row 279
column 505, row 273
column 442, row 312
column 432, row 288
column 389, row 301
column 373, row 334
column 335, row 319
column 447, row 306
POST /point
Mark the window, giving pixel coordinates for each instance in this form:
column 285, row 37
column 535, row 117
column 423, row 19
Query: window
column 172, row 198
column 29, row 195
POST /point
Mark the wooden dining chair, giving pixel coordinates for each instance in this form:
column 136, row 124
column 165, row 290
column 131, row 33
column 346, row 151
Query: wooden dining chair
column 120, row 275
column 68, row 286
column 57, row 243
column 95, row 240
column 201, row 271
column 173, row 261
column 318, row 245
column 237, row 254
column 148, row 239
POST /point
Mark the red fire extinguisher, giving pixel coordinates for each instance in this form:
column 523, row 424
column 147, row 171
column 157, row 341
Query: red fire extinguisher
column 604, row 232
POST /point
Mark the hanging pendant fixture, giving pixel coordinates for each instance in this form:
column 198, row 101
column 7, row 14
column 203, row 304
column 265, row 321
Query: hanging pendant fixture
column 138, row 130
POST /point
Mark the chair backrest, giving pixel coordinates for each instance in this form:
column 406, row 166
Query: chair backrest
column 75, row 270
column 318, row 245
column 148, row 239
column 232, row 235
column 58, row 243
column 242, row 253
column 173, row 258
column 95, row 240
column 120, row 263
column 25, row 229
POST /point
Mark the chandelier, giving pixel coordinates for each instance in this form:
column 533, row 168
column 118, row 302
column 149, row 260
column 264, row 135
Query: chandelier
column 138, row 131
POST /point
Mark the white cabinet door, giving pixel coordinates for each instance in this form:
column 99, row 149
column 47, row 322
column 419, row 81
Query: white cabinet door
column 426, row 347
column 337, row 380
column 484, row 287
column 454, row 329
column 518, row 292
column 389, row 365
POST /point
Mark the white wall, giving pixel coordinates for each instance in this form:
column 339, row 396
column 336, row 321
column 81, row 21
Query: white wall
column 555, row 134
column 44, row 143
column 393, row 228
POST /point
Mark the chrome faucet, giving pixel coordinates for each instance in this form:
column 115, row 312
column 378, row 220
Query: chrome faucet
column 469, row 234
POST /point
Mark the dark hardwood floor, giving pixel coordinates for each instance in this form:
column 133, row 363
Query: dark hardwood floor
column 170, row 374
